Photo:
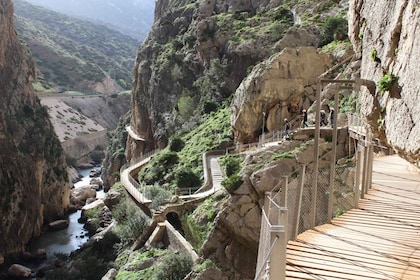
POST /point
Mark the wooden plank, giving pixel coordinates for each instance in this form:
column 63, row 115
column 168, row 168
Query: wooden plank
column 380, row 240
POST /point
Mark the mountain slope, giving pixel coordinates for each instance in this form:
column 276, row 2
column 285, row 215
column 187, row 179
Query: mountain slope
column 75, row 54
column 131, row 17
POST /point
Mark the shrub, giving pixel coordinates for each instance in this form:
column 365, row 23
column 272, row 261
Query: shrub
column 174, row 266
column 373, row 54
column 334, row 28
column 176, row 143
column 232, row 183
column 186, row 178
column 168, row 159
column 387, row 82
column 133, row 224
column 159, row 195
column 231, row 164
column 210, row 106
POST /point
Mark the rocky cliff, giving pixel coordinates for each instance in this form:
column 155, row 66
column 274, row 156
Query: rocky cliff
column 385, row 37
column 34, row 185
column 198, row 52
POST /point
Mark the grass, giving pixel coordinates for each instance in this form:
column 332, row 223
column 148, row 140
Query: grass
column 209, row 135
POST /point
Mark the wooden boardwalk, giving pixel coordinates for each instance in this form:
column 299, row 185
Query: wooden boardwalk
column 380, row 240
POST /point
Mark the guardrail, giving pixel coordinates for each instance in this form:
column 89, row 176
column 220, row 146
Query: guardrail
column 136, row 189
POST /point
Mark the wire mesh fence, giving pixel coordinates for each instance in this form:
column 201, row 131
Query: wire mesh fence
column 342, row 198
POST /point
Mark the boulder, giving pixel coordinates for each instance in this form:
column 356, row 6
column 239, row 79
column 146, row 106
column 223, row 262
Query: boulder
column 58, row 225
column 275, row 90
column 95, row 204
column 110, row 275
column 97, row 181
column 95, row 173
column 112, row 198
column 81, row 194
column 19, row 271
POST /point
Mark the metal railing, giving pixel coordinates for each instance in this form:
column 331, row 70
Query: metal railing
column 137, row 190
column 273, row 236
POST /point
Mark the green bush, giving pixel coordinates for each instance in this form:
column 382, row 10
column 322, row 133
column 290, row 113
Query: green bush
column 387, row 82
column 176, row 143
column 231, row 164
column 159, row 195
column 334, row 28
column 167, row 159
column 186, row 178
column 133, row 224
column 373, row 54
column 174, row 266
column 232, row 183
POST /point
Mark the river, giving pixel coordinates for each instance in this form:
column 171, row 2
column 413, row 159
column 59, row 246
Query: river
column 70, row 239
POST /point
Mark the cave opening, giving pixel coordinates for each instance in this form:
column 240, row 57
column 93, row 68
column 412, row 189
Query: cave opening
column 175, row 221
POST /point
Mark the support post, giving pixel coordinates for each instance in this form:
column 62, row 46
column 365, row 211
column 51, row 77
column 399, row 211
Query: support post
column 365, row 172
column 357, row 183
column 370, row 165
column 316, row 155
column 333, row 158
column 299, row 201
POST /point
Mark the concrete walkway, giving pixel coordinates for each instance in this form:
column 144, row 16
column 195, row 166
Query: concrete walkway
column 379, row 240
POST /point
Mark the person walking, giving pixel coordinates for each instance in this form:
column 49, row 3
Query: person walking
column 332, row 117
column 304, row 119
column 286, row 129
column 323, row 119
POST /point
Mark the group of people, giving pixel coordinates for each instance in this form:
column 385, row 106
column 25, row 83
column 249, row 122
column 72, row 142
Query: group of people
column 323, row 121
column 323, row 118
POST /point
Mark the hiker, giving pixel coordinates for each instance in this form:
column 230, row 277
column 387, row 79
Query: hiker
column 323, row 120
column 332, row 117
column 304, row 119
column 286, row 128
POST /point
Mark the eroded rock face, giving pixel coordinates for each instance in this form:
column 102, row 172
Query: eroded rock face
column 184, row 42
column 385, row 36
column 276, row 89
column 34, row 185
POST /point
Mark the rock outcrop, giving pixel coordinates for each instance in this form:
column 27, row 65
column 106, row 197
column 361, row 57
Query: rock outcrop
column 276, row 89
column 233, row 243
column 384, row 35
column 34, row 185
column 200, row 53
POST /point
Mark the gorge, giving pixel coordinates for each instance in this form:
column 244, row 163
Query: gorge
column 213, row 74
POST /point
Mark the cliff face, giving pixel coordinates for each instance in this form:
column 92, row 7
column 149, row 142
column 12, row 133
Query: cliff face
column 197, row 53
column 276, row 89
column 385, row 35
column 34, row 185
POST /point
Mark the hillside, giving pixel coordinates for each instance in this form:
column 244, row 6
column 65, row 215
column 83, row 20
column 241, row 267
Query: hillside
column 72, row 54
column 131, row 17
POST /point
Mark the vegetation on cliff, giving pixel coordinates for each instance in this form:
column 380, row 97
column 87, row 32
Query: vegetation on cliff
column 34, row 185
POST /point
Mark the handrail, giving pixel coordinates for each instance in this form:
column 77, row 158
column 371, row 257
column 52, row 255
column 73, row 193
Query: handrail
column 136, row 189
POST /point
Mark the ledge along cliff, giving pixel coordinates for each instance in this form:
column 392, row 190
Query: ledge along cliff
column 34, row 185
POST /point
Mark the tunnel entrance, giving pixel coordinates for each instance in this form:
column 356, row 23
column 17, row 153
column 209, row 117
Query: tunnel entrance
column 174, row 220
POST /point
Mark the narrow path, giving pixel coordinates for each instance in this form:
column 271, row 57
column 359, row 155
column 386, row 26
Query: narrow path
column 380, row 240
column 217, row 178
column 127, row 181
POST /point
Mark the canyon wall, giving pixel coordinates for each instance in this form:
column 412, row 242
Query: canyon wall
column 385, row 37
column 34, row 185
